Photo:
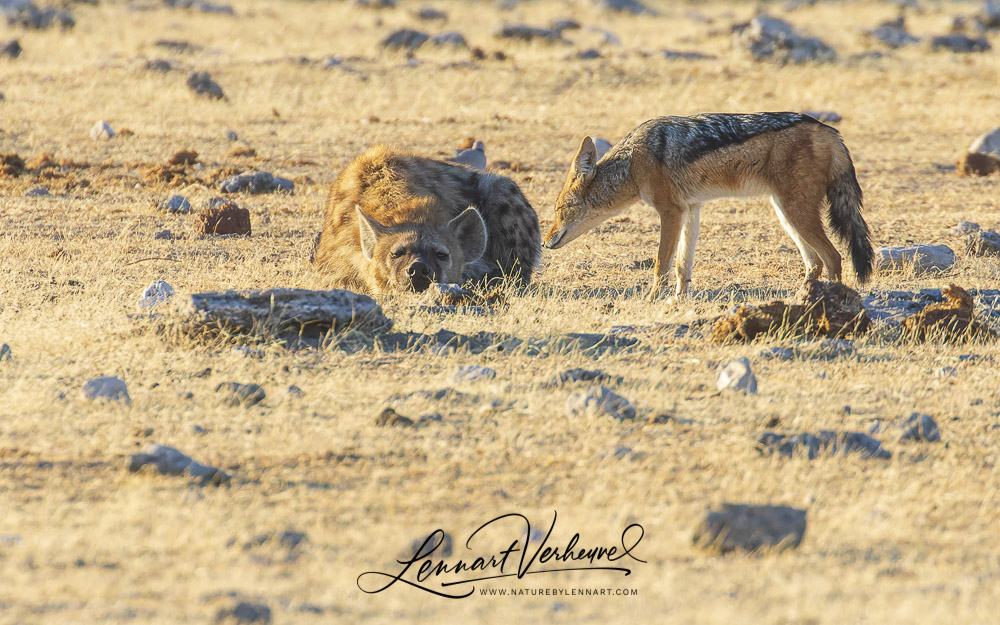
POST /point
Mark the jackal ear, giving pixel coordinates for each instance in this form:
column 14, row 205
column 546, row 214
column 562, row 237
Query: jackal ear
column 370, row 230
column 586, row 158
column 470, row 230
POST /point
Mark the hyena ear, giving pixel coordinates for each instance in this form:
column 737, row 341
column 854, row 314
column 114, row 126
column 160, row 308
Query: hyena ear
column 586, row 158
column 470, row 230
column 370, row 230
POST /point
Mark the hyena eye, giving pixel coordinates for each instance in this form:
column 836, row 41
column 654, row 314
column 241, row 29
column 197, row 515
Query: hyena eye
column 442, row 255
column 397, row 253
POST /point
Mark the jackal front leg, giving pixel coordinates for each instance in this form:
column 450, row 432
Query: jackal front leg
column 670, row 231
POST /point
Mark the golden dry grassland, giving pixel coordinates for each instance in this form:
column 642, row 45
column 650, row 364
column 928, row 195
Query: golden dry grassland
column 910, row 540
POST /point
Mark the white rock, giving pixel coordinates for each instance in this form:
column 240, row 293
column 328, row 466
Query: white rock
column 101, row 130
column 599, row 400
column 923, row 258
column 158, row 292
column 602, row 145
column 737, row 375
column 110, row 388
column 965, row 227
column 988, row 143
column 474, row 158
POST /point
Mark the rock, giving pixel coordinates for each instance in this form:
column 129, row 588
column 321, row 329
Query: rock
column 580, row 375
column 26, row 14
column 158, row 292
column 11, row 49
column 987, row 143
column 686, row 56
column 446, row 295
column 231, row 135
column 405, row 39
column 965, row 227
column 159, row 65
column 176, row 204
column 827, row 117
column 37, row 192
column 163, row 235
column 108, row 388
column 945, row 372
column 238, row 394
column 202, row 84
column 602, row 145
column 828, row 349
column 450, row 38
column 310, row 313
column 737, row 375
column 597, row 401
column 294, row 391
column 923, row 258
column 474, row 158
column 635, row 7
column 101, row 130
column 960, row 43
column 200, row 5
column 429, row 14
column 564, row 24
column 823, row 442
column 989, row 15
column 245, row 612
column 588, row 54
column 473, row 373
column 776, row 353
column 5, row 353
column 391, row 418
column 920, row 428
column 983, row 243
column 169, row 461
column 224, row 219
column 768, row 38
column 892, row 33
column 256, row 182
column 177, row 46
column 750, row 528
column 950, row 320
column 523, row 32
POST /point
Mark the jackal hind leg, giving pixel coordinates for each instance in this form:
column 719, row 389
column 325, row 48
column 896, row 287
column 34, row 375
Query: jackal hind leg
column 671, row 219
column 807, row 232
column 685, row 249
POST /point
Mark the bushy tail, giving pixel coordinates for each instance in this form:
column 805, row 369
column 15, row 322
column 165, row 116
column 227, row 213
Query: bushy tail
column 845, row 197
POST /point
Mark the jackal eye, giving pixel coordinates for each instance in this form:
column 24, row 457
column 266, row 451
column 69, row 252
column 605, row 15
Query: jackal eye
column 442, row 255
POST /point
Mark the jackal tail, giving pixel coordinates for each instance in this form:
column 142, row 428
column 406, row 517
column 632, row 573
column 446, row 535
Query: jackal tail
column 845, row 197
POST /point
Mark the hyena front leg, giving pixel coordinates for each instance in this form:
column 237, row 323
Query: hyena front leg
column 685, row 249
column 671, row 218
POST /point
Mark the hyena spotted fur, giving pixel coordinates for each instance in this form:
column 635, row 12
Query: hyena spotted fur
column 397, row 221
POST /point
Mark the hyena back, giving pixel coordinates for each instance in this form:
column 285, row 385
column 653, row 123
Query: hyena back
column 676, row 163
column 396, row 221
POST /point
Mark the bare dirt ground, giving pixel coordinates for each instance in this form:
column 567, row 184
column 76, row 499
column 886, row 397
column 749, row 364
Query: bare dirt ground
column 912, row 539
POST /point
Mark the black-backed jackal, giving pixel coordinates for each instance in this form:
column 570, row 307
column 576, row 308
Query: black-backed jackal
column 676, row 163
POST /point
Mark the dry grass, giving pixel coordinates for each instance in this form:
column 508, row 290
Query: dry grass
column 909, row 540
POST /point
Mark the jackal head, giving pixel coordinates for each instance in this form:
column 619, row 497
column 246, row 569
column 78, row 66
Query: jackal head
column 411, row 256
column 573, row 214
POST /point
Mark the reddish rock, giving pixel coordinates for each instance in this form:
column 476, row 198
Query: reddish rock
column 226, row 218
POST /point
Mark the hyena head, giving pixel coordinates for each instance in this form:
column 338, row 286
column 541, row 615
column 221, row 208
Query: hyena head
column 573, row 215
column 413, row 255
